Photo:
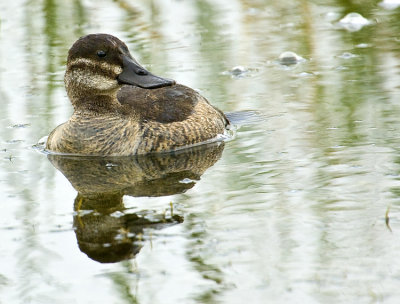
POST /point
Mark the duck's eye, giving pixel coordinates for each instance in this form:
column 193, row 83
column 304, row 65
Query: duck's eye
column 101, row 54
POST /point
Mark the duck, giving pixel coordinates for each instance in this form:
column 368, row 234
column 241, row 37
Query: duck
column 121, row 109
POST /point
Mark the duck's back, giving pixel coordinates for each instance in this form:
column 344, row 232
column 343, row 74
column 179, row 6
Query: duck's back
column 171, row 117
column 163, row 105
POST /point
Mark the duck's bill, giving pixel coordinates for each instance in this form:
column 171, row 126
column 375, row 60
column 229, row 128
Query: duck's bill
column 133, row 73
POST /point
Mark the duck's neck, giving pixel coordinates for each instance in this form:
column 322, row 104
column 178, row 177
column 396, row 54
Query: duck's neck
column 89, row 94
column 96, row 104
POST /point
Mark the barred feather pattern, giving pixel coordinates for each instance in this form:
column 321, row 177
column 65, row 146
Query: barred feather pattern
column 112, row 133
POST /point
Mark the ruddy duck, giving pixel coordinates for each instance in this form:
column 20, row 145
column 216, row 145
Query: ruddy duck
column 120, row 108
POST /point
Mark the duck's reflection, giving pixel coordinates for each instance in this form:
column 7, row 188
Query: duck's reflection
column 104, row 230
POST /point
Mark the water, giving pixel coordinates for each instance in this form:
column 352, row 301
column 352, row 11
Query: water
column 302, row 206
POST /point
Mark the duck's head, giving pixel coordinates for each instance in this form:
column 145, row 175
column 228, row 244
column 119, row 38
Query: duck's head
column 99, row 64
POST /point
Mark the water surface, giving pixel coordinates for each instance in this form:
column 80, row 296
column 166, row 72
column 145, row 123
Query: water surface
column 302, row 206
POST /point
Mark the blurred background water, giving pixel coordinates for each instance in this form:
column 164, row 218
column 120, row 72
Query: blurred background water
column 302, row 206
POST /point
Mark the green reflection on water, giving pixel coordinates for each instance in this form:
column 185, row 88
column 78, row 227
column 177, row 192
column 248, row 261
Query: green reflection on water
column 123, row 285
column 294, row 194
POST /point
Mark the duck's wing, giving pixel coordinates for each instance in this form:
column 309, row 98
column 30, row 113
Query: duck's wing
column 165, row 105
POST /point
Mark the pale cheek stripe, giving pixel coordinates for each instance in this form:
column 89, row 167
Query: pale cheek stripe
column 92, row 80
column 116, row 69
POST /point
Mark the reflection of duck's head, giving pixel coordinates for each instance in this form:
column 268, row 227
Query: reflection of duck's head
column 107, row 233
column 123, row 109
column 105, row 230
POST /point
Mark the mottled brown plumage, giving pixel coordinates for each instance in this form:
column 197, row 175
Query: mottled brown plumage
column 122, row 109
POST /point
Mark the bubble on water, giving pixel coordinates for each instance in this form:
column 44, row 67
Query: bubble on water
column 353, row 22
column 187, row 181
column 117, row 214
column 111, row 165
column 347, row 55
column 289, row 58
column 390, row 4
column 362, row 45
column 237, row 72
